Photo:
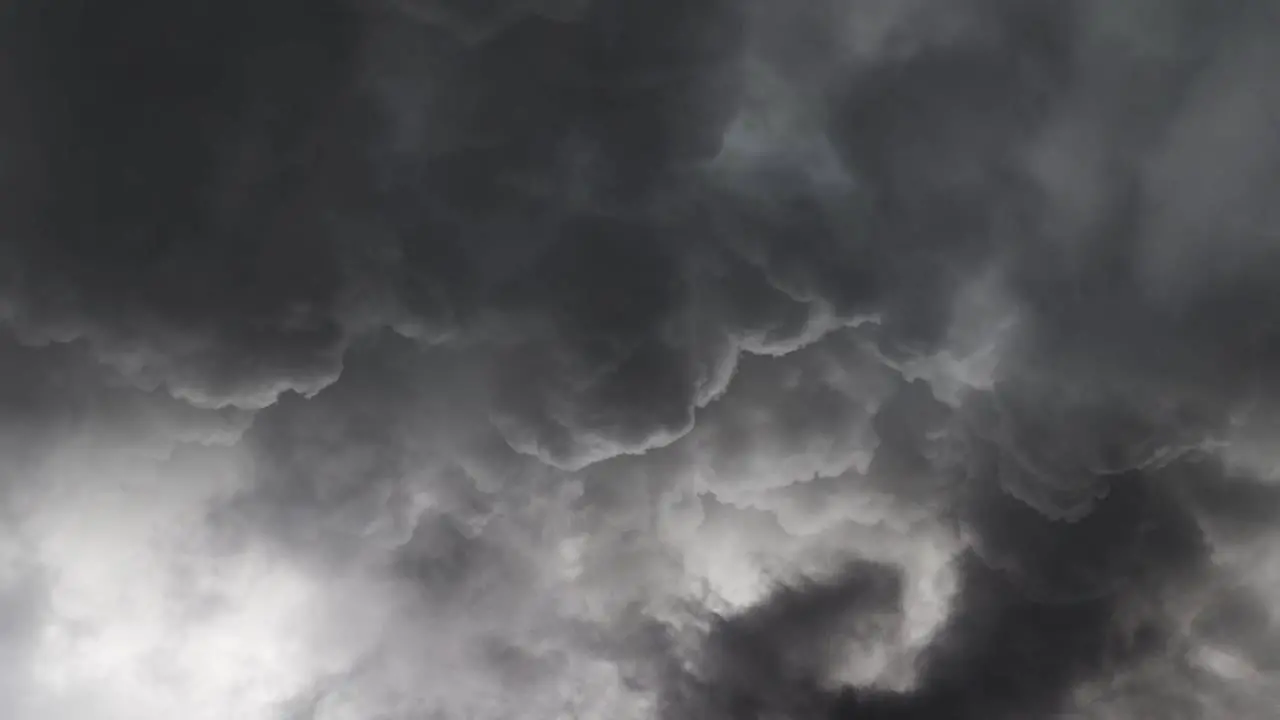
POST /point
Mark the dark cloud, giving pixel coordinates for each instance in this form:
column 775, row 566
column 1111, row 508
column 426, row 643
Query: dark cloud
column 167, row 211
column 622, row 358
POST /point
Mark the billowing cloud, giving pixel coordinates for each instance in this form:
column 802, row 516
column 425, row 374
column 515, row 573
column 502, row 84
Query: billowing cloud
column 638, row 359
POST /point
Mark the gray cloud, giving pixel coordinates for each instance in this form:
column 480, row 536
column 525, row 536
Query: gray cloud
column 411, row 359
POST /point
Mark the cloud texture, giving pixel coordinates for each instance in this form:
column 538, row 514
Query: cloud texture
column 844, row 359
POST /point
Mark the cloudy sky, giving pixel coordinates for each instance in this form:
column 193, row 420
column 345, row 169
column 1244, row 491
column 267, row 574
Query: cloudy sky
column 639, row 359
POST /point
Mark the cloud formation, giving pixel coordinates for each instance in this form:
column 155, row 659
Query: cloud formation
column 638, row 359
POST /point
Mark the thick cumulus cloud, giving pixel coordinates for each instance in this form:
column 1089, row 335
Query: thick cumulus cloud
column 638, row 359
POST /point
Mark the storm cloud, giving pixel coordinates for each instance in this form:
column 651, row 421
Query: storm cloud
column 410, row 359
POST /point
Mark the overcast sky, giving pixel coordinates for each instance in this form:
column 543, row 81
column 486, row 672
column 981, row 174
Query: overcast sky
column 639, row 359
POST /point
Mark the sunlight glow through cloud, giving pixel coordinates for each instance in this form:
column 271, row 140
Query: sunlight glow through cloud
column 144, row 618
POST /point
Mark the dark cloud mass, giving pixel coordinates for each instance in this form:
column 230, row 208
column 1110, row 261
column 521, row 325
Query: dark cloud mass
column 676, row 359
